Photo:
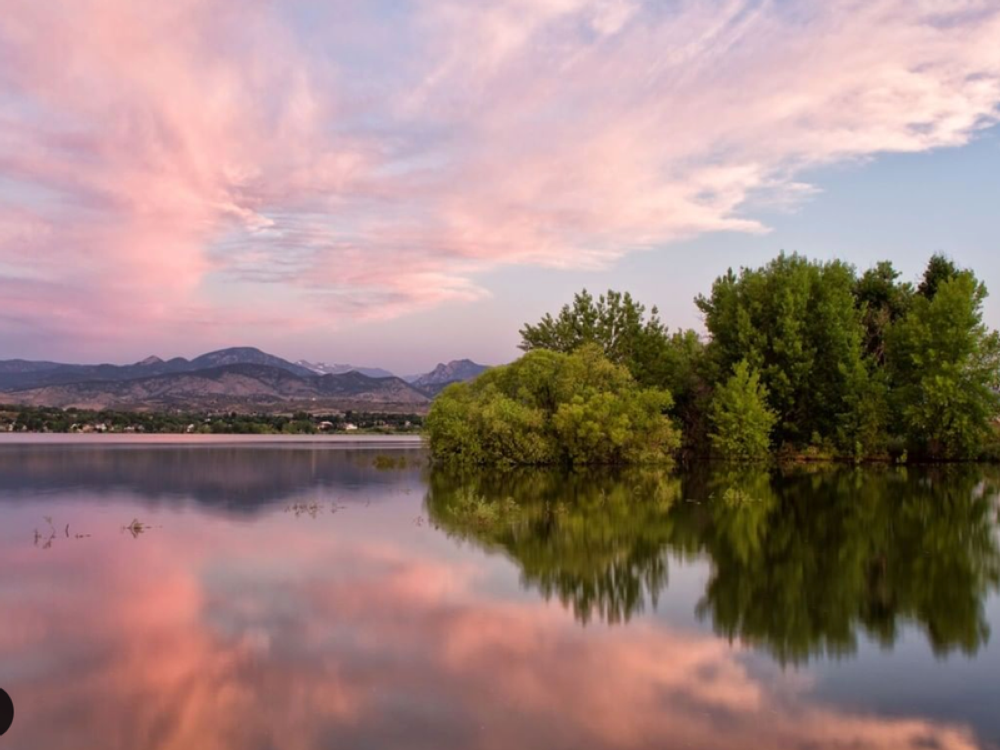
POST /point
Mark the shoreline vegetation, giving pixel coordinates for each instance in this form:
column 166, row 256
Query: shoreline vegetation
column 32, row 419
column 803, row 361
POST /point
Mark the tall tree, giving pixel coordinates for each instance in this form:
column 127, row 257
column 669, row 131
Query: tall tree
column 794, row 321
column 614, row 321
column 945, row 367
column 882, row 300
column 618, row 325
column 939, row 269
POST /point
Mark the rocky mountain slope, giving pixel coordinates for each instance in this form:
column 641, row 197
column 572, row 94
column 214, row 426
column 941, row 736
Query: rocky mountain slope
column 232, row 386
column 19, row 374
column 436, row 380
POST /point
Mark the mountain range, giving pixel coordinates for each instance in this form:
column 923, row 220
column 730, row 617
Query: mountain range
column 322, row 368
column 240, row 378
column 434, row 382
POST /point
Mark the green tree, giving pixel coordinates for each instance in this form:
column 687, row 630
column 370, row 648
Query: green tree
column 549, row 407
column 741, row 419
column 939, row 270
column 618, row 325
column 944, row 364
column 796, row 323
column 613, row 321
column 863, row 431
column 882, row 300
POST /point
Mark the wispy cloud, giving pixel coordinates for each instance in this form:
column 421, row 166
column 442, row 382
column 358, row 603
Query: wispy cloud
column 370, row 162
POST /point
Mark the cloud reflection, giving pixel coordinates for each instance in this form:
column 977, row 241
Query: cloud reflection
column 216, row 635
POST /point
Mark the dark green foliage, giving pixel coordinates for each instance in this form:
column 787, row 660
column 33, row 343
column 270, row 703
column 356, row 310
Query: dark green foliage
column 595, row 539
column 882, row 300
column 853, row 366
column 815, row 558
column 850, row 362
column 549, row 408
column 939, row 270
column 796, row 322
column 614, row 321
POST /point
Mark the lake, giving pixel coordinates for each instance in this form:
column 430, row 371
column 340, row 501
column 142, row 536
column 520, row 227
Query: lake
column 223, row 594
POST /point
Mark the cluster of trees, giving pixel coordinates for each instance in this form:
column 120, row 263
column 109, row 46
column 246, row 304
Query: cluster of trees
column 810, row 357
column 803, row 560
column 52, row 419
column 552, row 407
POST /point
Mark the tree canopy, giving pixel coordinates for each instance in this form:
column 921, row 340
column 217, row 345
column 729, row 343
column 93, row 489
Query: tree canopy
column 944, row 367
column 553, row 408
column 795, row 321
column 801, row 356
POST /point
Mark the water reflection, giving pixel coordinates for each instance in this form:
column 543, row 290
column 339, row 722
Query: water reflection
column 311, row 623
column 819, row 555
column 598, row 540
column 235, row 478
column 801, row 560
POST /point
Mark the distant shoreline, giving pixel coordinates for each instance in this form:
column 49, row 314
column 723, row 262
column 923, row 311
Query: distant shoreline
column 64, row 438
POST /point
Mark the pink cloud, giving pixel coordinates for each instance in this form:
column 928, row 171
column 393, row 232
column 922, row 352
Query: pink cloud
column 152, row 154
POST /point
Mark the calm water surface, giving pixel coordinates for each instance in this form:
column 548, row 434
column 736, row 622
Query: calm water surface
column 310, row 596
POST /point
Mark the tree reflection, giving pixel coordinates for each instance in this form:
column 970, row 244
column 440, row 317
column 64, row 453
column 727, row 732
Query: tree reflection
column 846, row 550
column 597, row 540
column 803, row 561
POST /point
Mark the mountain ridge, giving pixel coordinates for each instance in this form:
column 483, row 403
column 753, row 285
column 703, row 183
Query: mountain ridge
column 236, row 378
column 227, row 387
column 446, row 373
column 322, row 368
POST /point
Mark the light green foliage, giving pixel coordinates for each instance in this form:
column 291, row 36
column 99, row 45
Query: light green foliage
column 549, row 408
column 618, row 325
column 741, row 419
column 944, row 365
column 614, row 321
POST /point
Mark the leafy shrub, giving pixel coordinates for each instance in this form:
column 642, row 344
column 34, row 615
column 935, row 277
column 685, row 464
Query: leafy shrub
column 741, row 419
column 550, row 408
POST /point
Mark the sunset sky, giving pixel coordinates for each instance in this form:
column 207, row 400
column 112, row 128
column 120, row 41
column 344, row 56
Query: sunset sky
column 401, row 182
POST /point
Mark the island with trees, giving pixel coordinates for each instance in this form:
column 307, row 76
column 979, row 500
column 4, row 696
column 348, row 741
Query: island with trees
column 802, row 359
